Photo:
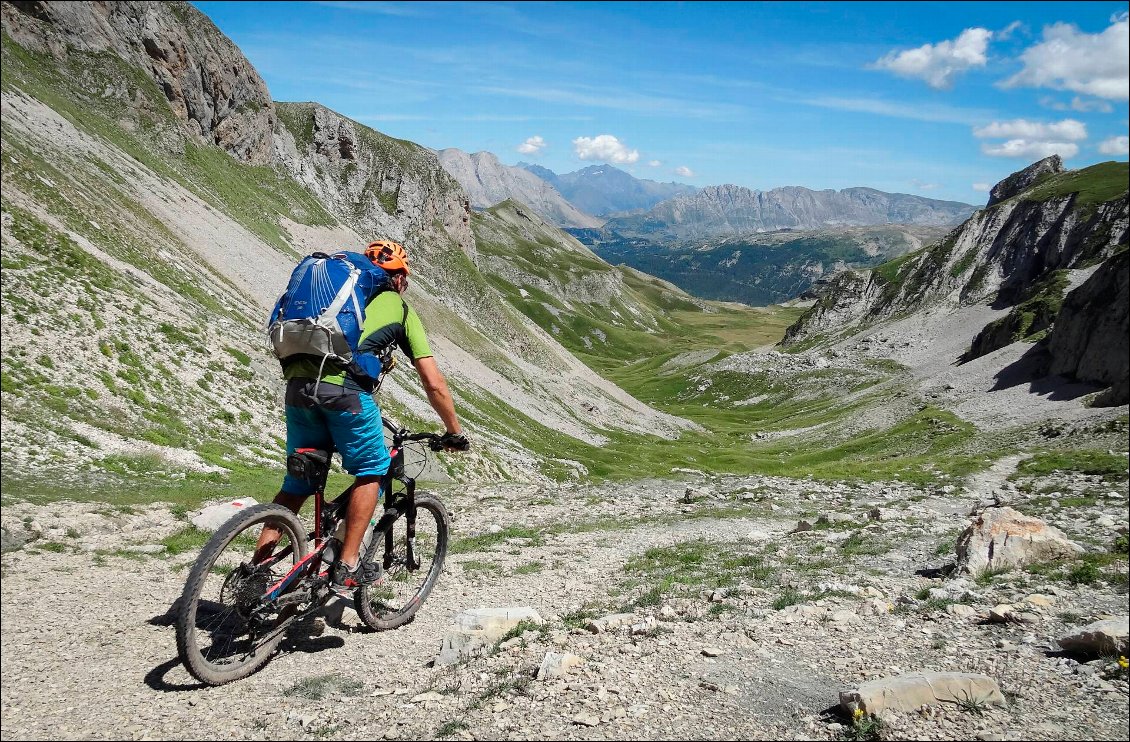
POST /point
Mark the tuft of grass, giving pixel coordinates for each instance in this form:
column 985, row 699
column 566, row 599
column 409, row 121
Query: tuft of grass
column 971, row 704
column 789, row 596
column 529, row 568
column 986, row 577
column 486, row 541
column 319, row 687
column 189, row 538
column 450, row 727
column 1111, row 468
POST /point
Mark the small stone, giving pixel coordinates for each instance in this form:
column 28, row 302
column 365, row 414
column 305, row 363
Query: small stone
column 612, row 621
column 586, row 719
column 556, row 665
column 961, row 610
column 1000, row 614
column 430, row 695
column 1038, row 599
column 711, row 651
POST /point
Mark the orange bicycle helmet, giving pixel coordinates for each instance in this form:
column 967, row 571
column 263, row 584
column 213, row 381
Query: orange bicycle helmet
column 388, row 255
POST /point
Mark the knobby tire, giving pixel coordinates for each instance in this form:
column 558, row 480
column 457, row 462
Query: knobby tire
column 395, row 598
column 222, row 589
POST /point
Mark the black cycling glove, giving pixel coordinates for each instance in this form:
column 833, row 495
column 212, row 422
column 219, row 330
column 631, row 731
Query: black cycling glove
column 454, row 442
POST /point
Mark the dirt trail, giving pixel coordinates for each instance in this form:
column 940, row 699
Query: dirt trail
column 89, row 652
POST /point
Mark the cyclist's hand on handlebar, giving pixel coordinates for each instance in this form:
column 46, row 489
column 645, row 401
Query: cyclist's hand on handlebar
column 454, row 442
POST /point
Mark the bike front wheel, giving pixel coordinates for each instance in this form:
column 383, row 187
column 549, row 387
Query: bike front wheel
column 394, row 599
column 225, row 630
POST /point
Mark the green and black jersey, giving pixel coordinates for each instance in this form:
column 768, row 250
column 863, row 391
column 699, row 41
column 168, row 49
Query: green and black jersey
column 388, row 322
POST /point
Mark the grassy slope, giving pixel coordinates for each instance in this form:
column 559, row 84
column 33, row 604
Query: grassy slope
column 135, row 389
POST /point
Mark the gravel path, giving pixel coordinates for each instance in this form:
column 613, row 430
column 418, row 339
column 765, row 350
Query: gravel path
column 88, row 650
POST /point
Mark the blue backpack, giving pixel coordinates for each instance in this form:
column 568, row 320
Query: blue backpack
column 322, row 311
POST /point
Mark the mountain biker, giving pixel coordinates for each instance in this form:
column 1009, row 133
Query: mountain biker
column 334, row 413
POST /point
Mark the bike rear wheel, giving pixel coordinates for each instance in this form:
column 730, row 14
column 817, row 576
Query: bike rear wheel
column 395, row 598
column 224, row 630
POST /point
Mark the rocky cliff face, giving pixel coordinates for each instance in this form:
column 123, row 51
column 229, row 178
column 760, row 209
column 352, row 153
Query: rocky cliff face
column 1021, row 181
column 729, row 210
column 211, row 88
column 1091, row 339
column 488, row 182
column 379, row 186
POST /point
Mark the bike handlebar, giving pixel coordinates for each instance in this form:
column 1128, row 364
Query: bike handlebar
column 436, row 442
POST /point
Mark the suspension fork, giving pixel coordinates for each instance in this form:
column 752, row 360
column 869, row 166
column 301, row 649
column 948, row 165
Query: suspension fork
column 403, row 506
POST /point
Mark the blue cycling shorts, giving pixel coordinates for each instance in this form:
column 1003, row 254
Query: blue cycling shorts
column 337, row 419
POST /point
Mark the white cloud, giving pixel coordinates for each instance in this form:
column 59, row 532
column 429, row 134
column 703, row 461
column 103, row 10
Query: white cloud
column 923, row 185
column 1006, row 33
column 1115, row 146
column 532, row 146
column 1068, row 59
column 938, row 64
column 1068, row 129
column 684, row 172
column 654, row 163
column 982, row 187
column 1083, row 105
column 1030, row 150
column 604, row 147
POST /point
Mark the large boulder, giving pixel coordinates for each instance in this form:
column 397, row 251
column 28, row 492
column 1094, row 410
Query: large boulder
column 1002, row 538
column 1107, row 637
column 910, row 692
column 213, row 517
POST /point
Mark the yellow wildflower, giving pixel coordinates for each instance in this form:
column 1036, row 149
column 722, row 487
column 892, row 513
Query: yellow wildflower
column 1123, row 662
column 858, row 713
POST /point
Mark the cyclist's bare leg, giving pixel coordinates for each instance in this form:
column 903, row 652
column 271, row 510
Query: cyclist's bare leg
column 362, row 503
column 270, row 535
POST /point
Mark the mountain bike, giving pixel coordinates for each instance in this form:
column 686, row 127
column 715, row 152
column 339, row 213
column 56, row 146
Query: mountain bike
column 238, row 602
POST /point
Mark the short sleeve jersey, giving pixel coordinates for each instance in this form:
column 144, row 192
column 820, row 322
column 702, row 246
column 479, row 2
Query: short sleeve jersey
column 388, row 322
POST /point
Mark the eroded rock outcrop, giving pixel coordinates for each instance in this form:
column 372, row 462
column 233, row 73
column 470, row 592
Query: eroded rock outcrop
column 1061, row 222
column 380, row 186
column 1091, row 339
column 209, row 85
column 1019, row 182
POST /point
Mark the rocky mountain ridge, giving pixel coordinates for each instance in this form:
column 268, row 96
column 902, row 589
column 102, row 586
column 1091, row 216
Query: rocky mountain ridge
column 729, row 210
column 761, row 268
column 215, row 95
column 1043, row 227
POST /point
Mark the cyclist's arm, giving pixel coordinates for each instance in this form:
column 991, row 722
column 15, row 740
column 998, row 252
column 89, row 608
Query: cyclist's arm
column 435, row 386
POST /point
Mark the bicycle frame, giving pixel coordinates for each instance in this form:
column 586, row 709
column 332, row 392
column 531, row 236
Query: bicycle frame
column 395, row 507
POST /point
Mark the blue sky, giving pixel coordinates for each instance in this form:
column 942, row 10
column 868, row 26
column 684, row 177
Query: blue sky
column 935, row 99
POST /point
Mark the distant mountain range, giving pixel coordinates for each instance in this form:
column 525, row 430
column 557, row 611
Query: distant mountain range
column 729, row 210
column 670, row 212
column 760, row 267
column 603, row 190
